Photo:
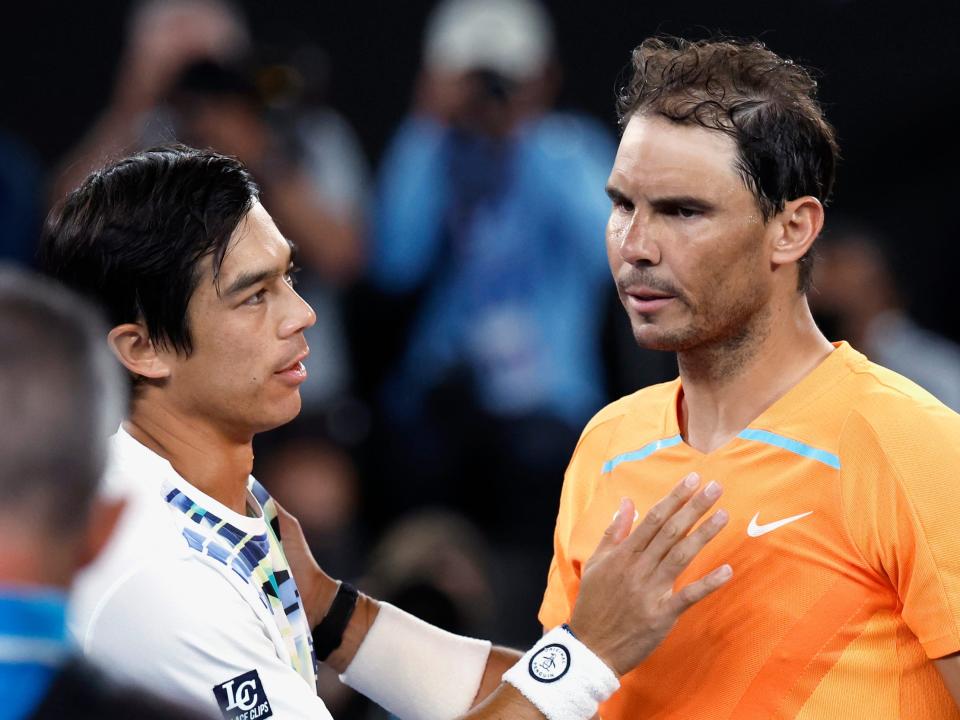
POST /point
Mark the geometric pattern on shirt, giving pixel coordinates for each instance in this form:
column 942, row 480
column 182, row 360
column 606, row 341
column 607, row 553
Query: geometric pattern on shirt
column 259, row 561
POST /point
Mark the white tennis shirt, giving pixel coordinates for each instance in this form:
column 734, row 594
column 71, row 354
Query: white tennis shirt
column 195, row 601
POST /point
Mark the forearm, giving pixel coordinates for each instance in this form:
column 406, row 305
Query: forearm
column 504, row 703
column 499, row 661
column 354, row 634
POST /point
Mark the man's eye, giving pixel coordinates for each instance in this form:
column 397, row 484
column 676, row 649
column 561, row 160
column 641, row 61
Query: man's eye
column 256, row 298
column 686, row 212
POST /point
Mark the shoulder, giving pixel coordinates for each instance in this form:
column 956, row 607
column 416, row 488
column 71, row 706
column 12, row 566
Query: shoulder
column 642, row 412
column 898, row 419
column 166, row 597
column 147, row 601
column 648, row 404
column 177, row 623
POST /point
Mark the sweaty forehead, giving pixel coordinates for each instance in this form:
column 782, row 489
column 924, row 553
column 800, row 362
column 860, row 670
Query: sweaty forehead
column 660, row 156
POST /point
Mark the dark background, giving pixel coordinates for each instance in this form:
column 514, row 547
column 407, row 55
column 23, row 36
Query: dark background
column 889, row 75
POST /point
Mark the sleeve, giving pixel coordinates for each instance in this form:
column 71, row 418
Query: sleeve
column 411, row 199
column 197, row 643
column 899, row 486
column 563, row 579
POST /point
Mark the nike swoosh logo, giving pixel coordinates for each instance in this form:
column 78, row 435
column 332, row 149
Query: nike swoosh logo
column 756, row 530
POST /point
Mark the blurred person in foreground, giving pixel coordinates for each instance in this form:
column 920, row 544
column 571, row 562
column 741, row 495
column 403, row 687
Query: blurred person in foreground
column 61, row 395
column 197, row 595
column 488, row 209
column 856, row 292
column 841, row 475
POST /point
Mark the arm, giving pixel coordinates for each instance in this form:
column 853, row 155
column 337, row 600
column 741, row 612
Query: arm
column 626, row 606
column 949, row 669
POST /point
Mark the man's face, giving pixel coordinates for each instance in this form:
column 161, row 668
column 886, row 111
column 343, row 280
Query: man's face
column 685, row 240
column 244, row 374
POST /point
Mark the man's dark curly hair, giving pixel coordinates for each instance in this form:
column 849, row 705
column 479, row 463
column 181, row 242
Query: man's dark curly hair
column 786, row 148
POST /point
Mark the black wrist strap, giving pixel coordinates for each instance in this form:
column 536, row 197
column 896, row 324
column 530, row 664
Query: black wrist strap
column 328, row 635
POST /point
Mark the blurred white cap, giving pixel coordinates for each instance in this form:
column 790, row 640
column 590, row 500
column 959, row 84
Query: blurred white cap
column 511, row 37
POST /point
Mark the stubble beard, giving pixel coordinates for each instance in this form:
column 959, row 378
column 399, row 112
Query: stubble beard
column 719, row 341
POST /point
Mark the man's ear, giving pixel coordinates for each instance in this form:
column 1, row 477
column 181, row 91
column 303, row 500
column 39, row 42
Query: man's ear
column 104, row 517
column 131, row 344
column 795, row 228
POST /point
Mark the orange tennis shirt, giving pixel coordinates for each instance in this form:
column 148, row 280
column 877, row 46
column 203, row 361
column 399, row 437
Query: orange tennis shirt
column 844, row 538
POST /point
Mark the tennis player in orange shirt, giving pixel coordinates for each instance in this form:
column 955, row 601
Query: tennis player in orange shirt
column 840, row 476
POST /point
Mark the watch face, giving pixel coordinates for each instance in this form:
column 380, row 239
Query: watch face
column 550, row 663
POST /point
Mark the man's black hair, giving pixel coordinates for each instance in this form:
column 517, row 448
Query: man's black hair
column 133, row 234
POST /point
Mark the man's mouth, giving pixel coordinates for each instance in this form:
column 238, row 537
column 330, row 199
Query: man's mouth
column 295, row 371
column 646, row 300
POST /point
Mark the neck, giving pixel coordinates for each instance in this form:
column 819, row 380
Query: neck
column 31, row 557
column 216, row 462
column 728, row 384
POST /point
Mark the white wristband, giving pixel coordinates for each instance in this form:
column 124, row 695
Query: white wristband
column 415, row 670
column 562, row 677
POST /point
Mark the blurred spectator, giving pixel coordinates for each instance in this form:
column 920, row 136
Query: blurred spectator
column 163, row 38
column 20, row 201
column 61, row 394
column 857, row 295
column 491, row 212
column 186, row 75
column 436, row 564
column 306, row 472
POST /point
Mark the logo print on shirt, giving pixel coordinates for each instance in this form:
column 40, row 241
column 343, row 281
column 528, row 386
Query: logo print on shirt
column 243, row 698
column 756, row 530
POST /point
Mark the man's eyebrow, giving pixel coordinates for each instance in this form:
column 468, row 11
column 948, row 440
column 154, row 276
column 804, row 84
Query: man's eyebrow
column 247, row 280
column 682, row 201
column 250, row 278
column 615, row 195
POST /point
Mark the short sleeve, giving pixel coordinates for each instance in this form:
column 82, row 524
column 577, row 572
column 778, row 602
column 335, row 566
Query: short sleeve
column 901, row 495
column 563, row 580
column 196, row 642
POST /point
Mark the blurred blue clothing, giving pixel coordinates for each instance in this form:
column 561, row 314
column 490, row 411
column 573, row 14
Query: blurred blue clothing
column 20, row 211
column 506, row 239
column 33, row 646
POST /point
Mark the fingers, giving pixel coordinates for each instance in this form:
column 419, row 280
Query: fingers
column 696, row 591
column 682, row 553
column 660, row 513
column 619, row 528
column 675, row 528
